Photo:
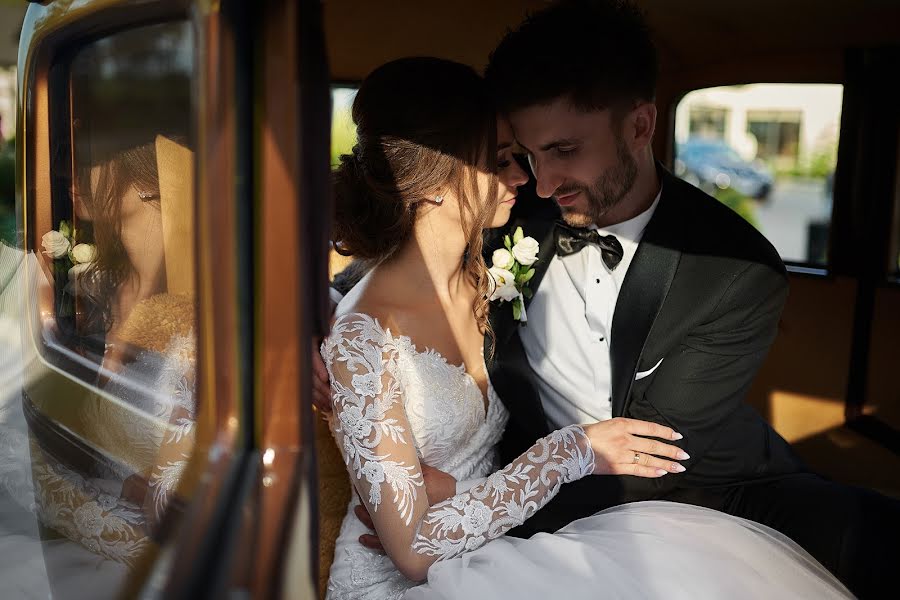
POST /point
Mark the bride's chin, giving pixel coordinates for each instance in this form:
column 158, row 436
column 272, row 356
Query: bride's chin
column 501, row 217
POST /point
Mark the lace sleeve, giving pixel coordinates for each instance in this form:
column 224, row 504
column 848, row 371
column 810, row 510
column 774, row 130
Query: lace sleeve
column 373, row 433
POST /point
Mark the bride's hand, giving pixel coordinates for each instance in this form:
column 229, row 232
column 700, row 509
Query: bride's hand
column 622, row 447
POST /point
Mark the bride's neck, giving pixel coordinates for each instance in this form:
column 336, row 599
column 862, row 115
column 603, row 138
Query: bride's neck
column 432, row 259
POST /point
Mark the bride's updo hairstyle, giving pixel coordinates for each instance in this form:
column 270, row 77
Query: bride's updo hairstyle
column 423, row 125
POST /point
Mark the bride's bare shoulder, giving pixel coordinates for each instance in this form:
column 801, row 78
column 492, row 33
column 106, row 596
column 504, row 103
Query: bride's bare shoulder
column 377, row 296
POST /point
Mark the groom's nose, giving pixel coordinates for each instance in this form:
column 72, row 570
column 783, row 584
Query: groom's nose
column 547, row 183
column 547, row 180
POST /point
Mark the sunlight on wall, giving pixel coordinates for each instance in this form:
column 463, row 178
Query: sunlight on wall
column 798, row 416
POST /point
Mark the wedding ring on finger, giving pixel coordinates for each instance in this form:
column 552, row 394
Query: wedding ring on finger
column 637, row 458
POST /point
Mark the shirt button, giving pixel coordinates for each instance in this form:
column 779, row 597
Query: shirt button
column 598, row 280
column 602, row 338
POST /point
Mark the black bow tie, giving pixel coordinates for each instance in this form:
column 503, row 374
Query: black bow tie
column 570, row 240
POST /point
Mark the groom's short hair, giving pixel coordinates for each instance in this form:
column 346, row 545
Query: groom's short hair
column 598, row 53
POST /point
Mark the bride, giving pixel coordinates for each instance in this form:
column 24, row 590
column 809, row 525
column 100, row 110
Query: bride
column 406, row 362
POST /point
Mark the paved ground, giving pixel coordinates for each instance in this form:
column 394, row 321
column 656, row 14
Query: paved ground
column 786, row 216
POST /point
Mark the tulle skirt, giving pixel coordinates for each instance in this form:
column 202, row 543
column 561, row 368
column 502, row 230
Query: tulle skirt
column 640, row 550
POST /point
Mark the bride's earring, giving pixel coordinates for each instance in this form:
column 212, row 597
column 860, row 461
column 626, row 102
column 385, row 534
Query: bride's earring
column 438, row 199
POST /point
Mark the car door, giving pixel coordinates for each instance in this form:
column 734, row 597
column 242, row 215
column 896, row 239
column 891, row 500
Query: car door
column 171, row 279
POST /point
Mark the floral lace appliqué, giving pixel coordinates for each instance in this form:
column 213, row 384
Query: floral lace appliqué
column 396, row 407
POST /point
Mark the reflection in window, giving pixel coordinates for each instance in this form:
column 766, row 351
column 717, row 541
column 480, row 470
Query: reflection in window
column 108, row 453
column 769, row 152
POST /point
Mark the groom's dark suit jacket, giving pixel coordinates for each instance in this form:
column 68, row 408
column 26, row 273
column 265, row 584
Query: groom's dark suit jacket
column 704, row 294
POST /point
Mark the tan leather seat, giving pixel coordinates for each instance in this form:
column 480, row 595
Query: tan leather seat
column 334, row 494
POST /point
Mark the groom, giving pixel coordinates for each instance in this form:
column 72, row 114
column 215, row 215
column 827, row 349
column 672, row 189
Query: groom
column 651, row 301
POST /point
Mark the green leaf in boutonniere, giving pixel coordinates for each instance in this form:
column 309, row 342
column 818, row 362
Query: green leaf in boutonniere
column 518, row 235
column 517, row 309
column 66, row 229
column 524, row 276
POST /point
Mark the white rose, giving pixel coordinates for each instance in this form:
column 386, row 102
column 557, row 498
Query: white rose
column 77, row 271
column 504, row 284
column 526, row 251
column 55, row 244
column 502, row 258
column 84, row 253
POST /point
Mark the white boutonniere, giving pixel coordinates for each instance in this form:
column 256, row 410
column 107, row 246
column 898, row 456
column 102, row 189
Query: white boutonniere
column 512, row 270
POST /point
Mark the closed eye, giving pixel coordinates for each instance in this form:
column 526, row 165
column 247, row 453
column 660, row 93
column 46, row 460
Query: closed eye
column 566, row 150
column 505, row 159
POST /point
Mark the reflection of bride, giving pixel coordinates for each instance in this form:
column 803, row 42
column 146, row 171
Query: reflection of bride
column 138, row 294
column 409, row 386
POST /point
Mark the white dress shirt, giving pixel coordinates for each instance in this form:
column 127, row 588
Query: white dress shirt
column 567, row 337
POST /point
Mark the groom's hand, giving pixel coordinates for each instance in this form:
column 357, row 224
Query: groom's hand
column 321, row 385
column 439, row 486
column 369, row 540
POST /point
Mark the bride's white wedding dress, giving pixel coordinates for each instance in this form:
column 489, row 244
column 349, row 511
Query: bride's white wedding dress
column 396, row 405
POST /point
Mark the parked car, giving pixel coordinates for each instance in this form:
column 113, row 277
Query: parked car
column 711, row 164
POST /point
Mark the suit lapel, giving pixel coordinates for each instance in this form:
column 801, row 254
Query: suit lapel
column 644, row 290
column 509, row 369
column 541, row 230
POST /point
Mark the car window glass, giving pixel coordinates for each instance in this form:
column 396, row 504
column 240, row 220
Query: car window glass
column 343, row 137
column 107, row 405
column 769, row 152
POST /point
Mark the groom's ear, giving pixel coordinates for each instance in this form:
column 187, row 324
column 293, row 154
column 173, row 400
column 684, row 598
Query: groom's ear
column 640, row 125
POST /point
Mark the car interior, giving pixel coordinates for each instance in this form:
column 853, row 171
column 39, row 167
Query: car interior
column 190, row 417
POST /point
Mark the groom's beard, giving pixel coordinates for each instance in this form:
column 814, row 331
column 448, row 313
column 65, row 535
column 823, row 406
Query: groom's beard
column 605, row 193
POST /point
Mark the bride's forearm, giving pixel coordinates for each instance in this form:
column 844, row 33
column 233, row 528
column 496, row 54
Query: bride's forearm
column 467, row 484
column 505, row 499
column 498, row 503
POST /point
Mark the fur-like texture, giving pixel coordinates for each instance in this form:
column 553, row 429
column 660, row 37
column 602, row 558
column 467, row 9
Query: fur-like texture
column 156, row 321
column 334, row 495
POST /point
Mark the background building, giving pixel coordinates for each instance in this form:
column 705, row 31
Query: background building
column 792, row 127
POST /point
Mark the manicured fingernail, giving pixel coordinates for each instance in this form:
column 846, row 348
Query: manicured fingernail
column 682, row 455
column 677, row 436
column 661, row 472
column 677, row 468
